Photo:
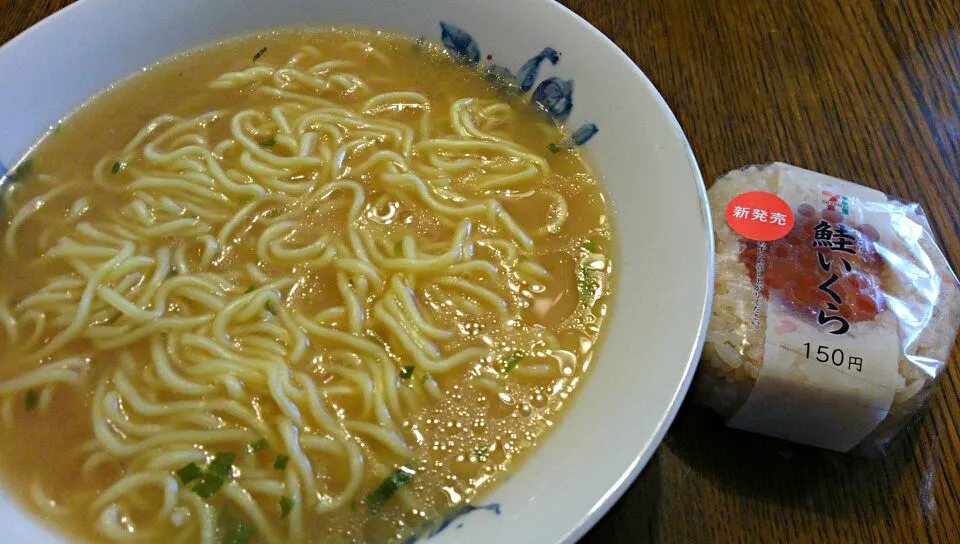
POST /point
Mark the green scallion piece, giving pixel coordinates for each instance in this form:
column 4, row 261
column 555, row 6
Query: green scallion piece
column 268, row 143
column 424, row 378
column 116, row 167
column 250, row 289
column 240, row 534
column 222, row 464
column 233, row 529
column 553, row 148
column 32, row 399
column 389, row 487
column 591, row 247
column 481, row 453
column 259, row 53
column 208, row 485
column 189, row 473
column 22, row 171
column 281, row 462
column 286, row 505
column 406, row 372
column 512, row 361
column 259, row 445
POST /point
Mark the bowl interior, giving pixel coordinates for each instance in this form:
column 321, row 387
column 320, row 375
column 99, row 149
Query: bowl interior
column 663, row 269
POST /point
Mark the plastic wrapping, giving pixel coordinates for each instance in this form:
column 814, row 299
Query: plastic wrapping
column 834, row 310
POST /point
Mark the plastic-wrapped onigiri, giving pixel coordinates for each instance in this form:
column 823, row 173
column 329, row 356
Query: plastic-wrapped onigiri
column 834, row 310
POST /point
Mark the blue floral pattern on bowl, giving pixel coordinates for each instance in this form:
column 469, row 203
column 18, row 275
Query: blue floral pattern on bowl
column 553, row 95
column 432, row 531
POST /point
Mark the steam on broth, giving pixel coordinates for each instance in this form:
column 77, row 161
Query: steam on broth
column 311, row 286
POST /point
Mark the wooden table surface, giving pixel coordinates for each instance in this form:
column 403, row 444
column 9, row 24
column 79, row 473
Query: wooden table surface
column 863, row 90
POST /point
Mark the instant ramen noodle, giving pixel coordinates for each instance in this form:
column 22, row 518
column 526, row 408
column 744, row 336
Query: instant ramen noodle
column 312, row 285
column 834, row 311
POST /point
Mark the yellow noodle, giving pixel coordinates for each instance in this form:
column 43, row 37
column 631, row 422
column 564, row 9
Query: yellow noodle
column 23, row 214
column 313, row 262
column 67, row 371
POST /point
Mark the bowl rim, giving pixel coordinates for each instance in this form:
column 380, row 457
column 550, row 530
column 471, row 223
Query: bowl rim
column 631, row 472
column 642, row 457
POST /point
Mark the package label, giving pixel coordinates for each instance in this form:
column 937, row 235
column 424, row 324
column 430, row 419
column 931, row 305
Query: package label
column 831, row 347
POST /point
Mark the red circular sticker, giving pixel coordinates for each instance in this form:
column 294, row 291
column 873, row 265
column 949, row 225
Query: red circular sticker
column 760, row 216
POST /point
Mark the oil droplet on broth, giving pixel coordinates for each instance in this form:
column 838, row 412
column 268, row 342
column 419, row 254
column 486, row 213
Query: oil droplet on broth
column 538, row 399
column 565, row 360
column 452, row 495
column 503, row 406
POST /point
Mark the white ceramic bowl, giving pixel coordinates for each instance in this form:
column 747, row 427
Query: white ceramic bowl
column 665, row 262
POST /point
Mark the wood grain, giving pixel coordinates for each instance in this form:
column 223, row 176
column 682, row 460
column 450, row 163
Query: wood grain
column 863, row 90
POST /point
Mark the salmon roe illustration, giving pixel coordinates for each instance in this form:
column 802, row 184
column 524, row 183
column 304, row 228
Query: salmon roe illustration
column 797, row 267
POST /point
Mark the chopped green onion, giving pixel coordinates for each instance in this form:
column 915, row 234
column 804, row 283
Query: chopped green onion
column 233, row 529
column 56, row 129
column 553, row 148
column 241, row 534
column 425, row 378
column 481, row 453
column 281, row 462
column 250, row 289
column 286, row 505
column 222, row 464
column 25, row 168
column 208, row 485
column 189, row 473
column 398, row 248
column 259, row 445
column 32, row 399
column 591, row 247
column 260, row 53
column 116, row 167
column 22, row 171
column 268, row 143
column 512, row 361
column 406, row 373
column 389, row 487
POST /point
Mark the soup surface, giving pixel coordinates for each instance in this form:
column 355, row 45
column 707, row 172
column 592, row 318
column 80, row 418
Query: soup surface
column 305, row 286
